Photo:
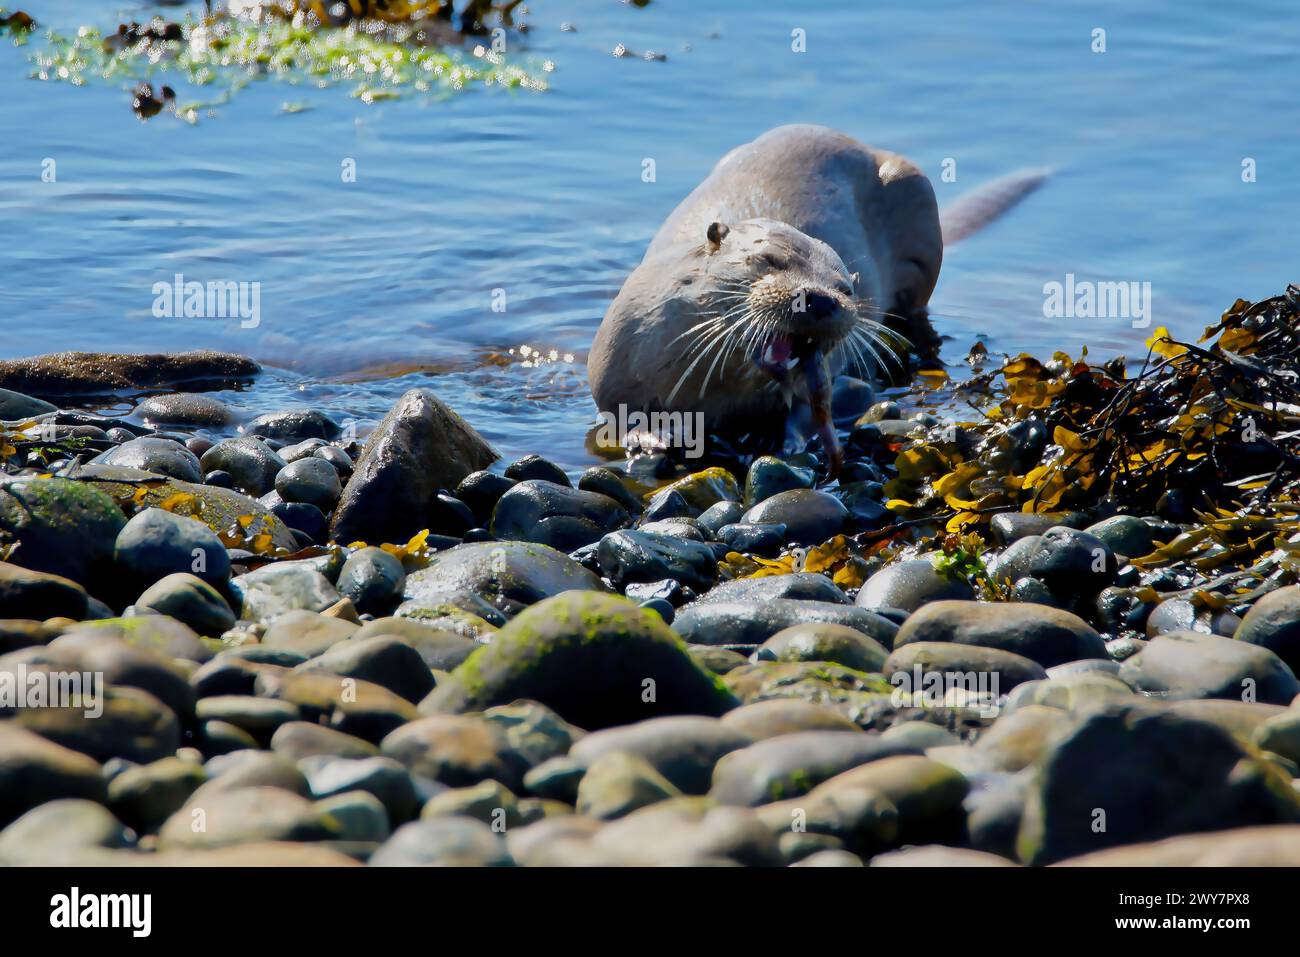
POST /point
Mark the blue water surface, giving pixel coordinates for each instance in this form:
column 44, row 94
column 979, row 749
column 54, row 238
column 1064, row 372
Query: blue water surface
column 371, row 287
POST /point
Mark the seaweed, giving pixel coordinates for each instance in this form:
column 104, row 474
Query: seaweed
column 377, row 59
column 1203, row 434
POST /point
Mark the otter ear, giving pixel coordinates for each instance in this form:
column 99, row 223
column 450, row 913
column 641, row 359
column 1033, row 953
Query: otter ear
column 717, row 232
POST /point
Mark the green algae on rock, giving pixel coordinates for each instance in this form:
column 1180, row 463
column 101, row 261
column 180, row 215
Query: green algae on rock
column 597, row 659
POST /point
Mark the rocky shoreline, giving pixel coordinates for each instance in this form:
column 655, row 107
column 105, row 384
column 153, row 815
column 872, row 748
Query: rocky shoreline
column 322, row 651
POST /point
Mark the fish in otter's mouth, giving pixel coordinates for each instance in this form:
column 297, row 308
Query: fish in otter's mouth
column 781, row 357
column 822, row 331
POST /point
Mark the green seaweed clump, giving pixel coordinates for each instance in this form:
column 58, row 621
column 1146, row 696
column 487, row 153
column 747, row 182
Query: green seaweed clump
column 375, row 60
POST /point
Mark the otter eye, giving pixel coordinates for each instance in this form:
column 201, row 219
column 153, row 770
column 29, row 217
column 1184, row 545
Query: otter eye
column 843, row 288
column 774, row 261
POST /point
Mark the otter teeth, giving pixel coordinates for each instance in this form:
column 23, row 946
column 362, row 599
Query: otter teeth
column 770, row 359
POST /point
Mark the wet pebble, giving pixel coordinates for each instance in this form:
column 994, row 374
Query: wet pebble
column 294, row 426
column 156, row 543
column 185, row 409
column 562, row 517
column 536, row 467
column 635, row 555
column 162, row 456
column 769, row 476
column 810, row 517
column 909, row 585
column 751, row 539
column 250, row 463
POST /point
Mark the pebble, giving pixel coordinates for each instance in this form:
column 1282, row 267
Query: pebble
column 161, row 456
column 791, row 765
column 383, row 778
column 293, row 426
column 683, row 749
column 185, row 409
column 608, row 483
column 910, row 584
column 482, row 490
column 132, row 724
column 780, row 716
column 618, row 783
column 445, row 842
column 310, row 480
column 1124, row 535
column 440, row 650
column 750, row 539
column 306, row 633
column 361, row 817
column 455, row 750
column 769, row 476
column 249, row 462
column 191, row 600
column 1048, row 636
column 1187, row 664
column 15, row 405
column 373, row 579
column 1274, row 623
column 35, row 770
column 824, row 641
column 296, row 740
column 67, row 528
column 508, row 575
column 536, row 467
column 25, row 593
column 1071, row 562
column 810, row 517
column 303, row 517
column 145, row 795
column 46, row 833
column 300, row 450
column 273, row 590
column 383, row 660
column 557, row 515
column 1005, row 667
column 720, row 514
column 744, row 624
column 636, row 555
column 246, row 815
column 156, row 543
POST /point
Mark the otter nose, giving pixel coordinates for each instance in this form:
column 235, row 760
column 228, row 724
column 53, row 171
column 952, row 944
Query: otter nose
column 818, row 304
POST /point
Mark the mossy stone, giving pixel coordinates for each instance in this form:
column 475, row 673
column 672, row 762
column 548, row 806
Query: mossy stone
column 596, row 659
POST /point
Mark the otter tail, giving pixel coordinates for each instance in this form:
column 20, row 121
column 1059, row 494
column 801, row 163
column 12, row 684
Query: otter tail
column 976, row 210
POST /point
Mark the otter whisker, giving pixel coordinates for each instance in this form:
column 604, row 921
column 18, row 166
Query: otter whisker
column 703, row 329
column 849, row 348
column 726, row 351
column 717, row 320
column 874, row 345
column 714, row 338
column 751, row 327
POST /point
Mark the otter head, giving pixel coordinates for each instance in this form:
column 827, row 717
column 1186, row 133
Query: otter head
column 789, row 308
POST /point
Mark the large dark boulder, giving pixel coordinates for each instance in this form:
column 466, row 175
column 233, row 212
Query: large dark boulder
column 420, row 447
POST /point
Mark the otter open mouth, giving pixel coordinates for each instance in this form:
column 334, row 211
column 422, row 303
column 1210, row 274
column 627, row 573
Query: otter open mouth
column 783, row 356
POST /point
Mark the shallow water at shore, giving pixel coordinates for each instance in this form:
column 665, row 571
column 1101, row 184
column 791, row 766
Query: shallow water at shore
column 542, row 194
